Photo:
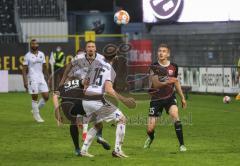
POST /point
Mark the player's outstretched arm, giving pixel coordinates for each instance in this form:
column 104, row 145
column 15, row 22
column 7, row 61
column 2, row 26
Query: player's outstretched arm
column 157, row 84
column 24, row 73
column 180, row 93
column 65, row 74
column 129, row 102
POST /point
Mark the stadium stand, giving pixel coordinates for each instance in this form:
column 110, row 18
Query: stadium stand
column 17, row 17
column 7, row 17
column 7, row 25
column 38, row 8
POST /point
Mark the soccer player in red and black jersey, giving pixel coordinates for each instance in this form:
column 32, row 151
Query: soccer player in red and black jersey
column 163, row 78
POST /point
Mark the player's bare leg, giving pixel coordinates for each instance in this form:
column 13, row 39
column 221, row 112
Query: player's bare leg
column 35, row 109
column 152, row 121
column 55, row 101
column 55, row 97
column 173, row 112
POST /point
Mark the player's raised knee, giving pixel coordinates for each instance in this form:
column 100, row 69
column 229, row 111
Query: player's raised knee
column 123, row 119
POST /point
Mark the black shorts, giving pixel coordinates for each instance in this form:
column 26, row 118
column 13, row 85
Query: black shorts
column 72, row 108
column 156, row 106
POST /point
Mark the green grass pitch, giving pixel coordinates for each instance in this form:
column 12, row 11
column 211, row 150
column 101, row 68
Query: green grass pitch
column 211, row 132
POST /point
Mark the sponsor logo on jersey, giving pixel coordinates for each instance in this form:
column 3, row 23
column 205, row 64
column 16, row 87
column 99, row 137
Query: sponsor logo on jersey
column 170, row 72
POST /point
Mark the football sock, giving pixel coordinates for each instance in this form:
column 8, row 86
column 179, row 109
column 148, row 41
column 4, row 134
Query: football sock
column 35, row 106
column 179, row 132
column 99, row 133
column 84, row 131
column 120, row 133
column 151, row 134
column 41, row 103
column 75, row 135
column 90, row 136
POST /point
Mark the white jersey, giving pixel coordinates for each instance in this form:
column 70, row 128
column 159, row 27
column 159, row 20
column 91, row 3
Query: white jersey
column 81, row 65
column 35, row 63
column 98, row 74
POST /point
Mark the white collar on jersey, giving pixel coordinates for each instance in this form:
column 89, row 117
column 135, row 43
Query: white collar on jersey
column 36, row 54
column 166, row 65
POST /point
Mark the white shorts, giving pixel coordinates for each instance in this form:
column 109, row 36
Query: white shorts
column 37, row 87
column 97, row 111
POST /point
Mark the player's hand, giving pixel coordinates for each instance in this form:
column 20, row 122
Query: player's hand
column 57, row 93
column 184, row 103
column 129, row 102
column 86, row 82
column 49, row 82
column 171, row 80
column 65, row 81
column 60, row 84
column 58, row 117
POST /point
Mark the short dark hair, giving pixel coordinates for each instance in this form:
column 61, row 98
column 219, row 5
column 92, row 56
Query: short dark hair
column 80, row 50
column 89, row 41
column 165, row 46
column 110, row 51
column 33, row 40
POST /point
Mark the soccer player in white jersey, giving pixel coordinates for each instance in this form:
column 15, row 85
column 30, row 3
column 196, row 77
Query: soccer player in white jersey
column 81, row 63
column 34, row 68
column 101, row 77
column 77, row 69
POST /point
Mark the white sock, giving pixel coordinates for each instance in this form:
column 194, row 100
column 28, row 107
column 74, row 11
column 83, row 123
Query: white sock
column 85, row 128
column 90, row 137
column 35, row 106
column 120, row 133
column 41, row 103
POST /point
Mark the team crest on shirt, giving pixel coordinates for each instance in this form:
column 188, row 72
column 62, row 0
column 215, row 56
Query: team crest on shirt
column 170, row 72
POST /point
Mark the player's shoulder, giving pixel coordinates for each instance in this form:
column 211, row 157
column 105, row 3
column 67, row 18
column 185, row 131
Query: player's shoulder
column 99, row 56
column 28, row 54
column 154, row 63
column 154, row 66
column 79, row 56
column 106, row 65
column 41, row 53
column 174, row 64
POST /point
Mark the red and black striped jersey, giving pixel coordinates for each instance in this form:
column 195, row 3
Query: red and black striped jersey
column 163, row 73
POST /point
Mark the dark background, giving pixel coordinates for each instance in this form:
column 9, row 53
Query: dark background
column 133, row 7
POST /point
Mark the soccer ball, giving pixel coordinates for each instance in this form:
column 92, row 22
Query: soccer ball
column 226, row 99
column 121, row 17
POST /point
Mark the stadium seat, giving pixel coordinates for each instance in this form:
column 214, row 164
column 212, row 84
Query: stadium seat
column 39, row 8
column 7, row 24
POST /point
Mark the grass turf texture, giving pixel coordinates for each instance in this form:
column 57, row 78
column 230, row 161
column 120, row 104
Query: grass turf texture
column 211, row 131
